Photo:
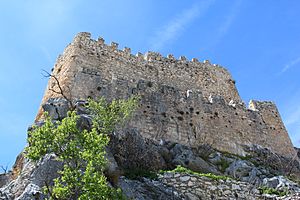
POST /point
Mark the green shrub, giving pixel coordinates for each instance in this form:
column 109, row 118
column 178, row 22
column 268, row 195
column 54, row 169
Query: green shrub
column 82, row 152
column 138, row 173
column 180, row 169
column 267, row 190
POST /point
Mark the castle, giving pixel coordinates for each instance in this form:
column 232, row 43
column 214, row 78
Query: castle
column 188, row 102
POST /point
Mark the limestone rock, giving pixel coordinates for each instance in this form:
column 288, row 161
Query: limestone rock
column 32, row 177
column 57, row 108
column 146, row 189
column 184, row 156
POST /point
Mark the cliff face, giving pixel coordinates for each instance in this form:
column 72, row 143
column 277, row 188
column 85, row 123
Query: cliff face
column 188, row 102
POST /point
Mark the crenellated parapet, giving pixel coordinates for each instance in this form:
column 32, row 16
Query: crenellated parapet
column 100, row 46
column 212, row 79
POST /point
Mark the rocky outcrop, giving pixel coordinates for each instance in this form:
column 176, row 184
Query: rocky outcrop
column 33, row 176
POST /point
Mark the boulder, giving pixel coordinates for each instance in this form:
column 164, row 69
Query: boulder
column 184, row 156
column 281, row 183
column 31, row 178
column 57, row 108
column 132, row 151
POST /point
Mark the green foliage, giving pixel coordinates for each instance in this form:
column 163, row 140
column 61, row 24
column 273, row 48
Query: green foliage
column 267, row 190
column 180, row 169
column 82, row 152
column 223, row 164
column 138, row 173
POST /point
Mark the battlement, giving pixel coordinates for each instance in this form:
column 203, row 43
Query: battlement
column 100, row 45
column 211, row 79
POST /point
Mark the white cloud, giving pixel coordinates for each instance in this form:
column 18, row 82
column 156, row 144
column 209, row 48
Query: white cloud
column 290, row 64
column 176, row 26
column 293, row 117
column 227, row 23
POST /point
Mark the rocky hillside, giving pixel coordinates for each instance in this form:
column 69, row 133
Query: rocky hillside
column 146, row 169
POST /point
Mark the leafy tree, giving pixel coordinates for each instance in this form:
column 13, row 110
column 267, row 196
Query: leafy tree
column 82, row 152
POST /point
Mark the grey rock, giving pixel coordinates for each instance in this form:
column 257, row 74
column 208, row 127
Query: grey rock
column 84, row 122
column 80, row 107
column 244, row 171
column 184, row 156
column 146, row 189
column 281, row 183
column 57, row 108
column 32, row 177
column 32, row 191
column 4, row 179
column 132, row 151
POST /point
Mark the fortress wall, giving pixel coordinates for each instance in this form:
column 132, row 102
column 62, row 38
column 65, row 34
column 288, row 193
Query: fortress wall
column 183, row 101
column 210, row 79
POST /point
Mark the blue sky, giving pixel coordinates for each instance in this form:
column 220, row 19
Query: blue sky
column 258, row 41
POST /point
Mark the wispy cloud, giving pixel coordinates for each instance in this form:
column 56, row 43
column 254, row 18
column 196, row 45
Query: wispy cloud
column 176, row 26
column 226, row 24
column 47, row 54
column 229, row 19
column 294, row 117
column 290, row 64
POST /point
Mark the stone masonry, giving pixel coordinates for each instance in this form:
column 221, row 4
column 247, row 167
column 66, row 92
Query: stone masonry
column 188, row 102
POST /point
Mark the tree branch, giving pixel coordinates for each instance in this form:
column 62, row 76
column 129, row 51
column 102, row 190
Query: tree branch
column 61, row 91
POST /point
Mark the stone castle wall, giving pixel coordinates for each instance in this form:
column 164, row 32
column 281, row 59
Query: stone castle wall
column 184, row 101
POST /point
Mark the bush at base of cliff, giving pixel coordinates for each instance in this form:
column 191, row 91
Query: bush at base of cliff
column 82, row 152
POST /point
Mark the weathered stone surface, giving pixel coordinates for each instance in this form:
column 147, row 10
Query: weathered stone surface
column 57, row 108
column 187, row 102
column 281, row 183
column 4, row 179
column 132, row 151
column 206, row 188
column 184, row 156
column 146, row 189
column 32, row 177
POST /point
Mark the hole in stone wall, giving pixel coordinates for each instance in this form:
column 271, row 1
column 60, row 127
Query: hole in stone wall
column 191, row 124
column 197, row 112
column 191, row 109
column 216, row 114
column 149, row 84
column 187, row 113
column 180, row 112
column 236, row 114
column 164, row 114
column 99, row 88
column 148, row 106
column 226, row 126
column 180, row 118
column 145, row 111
